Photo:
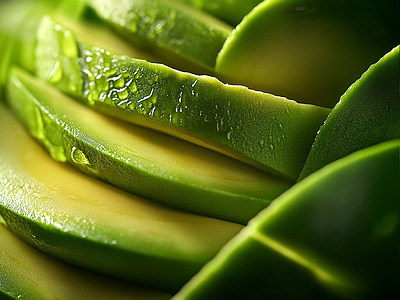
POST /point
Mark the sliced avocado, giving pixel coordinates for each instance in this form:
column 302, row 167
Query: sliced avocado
column 142, row 161
column 229, row 11
column 27, row 273
column 367, row 114
column 169, row 29
column 272, row 133
column 334, row 235
column 93, row 225
column 311, row 51
column 18, row 25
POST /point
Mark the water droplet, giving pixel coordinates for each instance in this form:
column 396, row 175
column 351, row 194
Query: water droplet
column 78, row 157
column 132, row 86
column 123, row 94
column 54, row 74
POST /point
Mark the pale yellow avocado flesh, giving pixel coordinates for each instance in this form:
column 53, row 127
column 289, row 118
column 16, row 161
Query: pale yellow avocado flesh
column 27, row 273
column 50, row 204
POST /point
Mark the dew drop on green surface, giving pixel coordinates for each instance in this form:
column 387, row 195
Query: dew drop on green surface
column 78, row 157
column 123, row 94
column 55, row 73
column 229, row 134
column 132, row 87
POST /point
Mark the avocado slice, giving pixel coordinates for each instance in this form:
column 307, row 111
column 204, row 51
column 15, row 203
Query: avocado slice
column 27, row 273
column 334, row 235
column 229, row 11
column 142, row 161
column 19, row 21
column 311, row 51
column 367, row 114
column 169, row 29
column 92, row 225
column 269, row 132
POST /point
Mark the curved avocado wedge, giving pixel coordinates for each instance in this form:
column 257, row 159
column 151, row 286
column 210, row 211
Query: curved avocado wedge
column 341, row 241
column 269, row 132
column 27, row 273
column 311, row 51
column 19, row 21
column 367, row 114
column 229, row 11
column 142, row 161
column 90, row 224
column 168, row 29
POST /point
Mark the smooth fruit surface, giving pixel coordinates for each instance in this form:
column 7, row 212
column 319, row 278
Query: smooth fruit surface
column 310, row 51
column 93, row 225
column 266, row 131
column 18, row 25
column 341, row 241
column 367, row 114
column 147, row 163
column 229, row 11
column 173, row 31
column 26, row 273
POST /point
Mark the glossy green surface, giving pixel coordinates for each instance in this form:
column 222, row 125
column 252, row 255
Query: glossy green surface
column 18, row 25
column 367, row 114
column 93, row 225
column 310, row 51
column 335, row 235
column 148, row 163
column 269, row 132
column 229, row 11
column 173, row 31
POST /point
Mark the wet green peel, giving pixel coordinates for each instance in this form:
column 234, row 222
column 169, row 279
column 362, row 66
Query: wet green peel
column 134, row 158
column 166, row 28
column 93, row 225
column 269, row 132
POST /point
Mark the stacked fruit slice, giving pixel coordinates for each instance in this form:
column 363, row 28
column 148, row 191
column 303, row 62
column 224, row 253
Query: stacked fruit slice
column 122, row 153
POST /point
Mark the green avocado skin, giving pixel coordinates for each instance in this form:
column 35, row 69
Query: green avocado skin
column 341, row 241
column 269, row 132
column 155, row 253
column 173, row 31
column 367, row 114
column 102, row 157
column 229, row 11
column 18, row 24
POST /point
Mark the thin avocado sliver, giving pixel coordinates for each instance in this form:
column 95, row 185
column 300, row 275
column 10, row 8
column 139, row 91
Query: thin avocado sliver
column 266, row 131
column 95, row 226
column 142, row 161
column 170, row 29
